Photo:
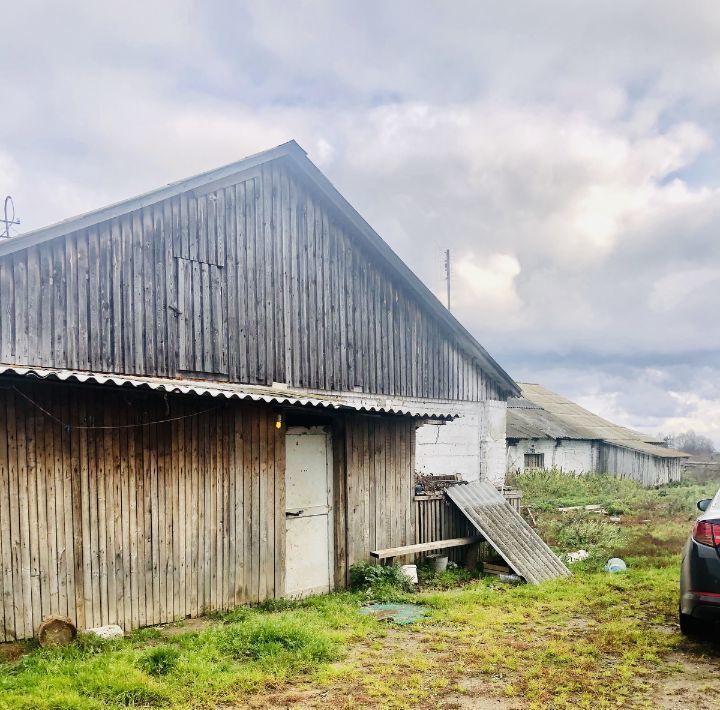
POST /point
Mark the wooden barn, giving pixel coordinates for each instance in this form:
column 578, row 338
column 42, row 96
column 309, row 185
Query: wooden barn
column 209, row 396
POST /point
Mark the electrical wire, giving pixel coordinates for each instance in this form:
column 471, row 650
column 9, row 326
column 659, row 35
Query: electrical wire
column 69, row 427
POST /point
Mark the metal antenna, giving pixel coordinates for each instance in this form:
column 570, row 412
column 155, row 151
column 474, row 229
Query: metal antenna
column 447, row 275
column 9, row 217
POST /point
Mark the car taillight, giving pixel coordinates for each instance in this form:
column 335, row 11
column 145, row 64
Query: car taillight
column 707, row 532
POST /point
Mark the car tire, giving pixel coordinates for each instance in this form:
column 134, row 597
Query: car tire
column 689, row 626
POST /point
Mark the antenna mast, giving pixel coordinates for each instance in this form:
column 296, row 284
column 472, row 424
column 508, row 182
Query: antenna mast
column 447, row 275
column 8, row 217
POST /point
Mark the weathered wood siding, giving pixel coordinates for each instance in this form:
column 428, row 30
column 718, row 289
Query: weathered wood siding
column 373, row 488
column 139, row 525
column 255, row 280
column 645, row 469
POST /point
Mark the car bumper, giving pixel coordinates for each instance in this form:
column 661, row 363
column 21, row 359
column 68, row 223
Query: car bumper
column 700, row 582
column 701, row 606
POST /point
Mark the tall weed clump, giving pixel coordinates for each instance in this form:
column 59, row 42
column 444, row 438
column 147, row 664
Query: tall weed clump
column 381, row 582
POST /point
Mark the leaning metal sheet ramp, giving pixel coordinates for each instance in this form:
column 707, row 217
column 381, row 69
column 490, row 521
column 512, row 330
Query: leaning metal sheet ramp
column 515, row 541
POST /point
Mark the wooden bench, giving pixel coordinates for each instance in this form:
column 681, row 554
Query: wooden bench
column 387, row 556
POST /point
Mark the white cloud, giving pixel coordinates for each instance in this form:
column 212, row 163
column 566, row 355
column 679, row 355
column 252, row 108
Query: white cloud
column 566, row 153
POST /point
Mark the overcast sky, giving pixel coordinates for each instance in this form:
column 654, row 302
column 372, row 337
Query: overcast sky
column 566, row 152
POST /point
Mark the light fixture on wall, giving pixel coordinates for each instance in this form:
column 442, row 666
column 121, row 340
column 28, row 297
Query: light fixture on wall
column 278, row 421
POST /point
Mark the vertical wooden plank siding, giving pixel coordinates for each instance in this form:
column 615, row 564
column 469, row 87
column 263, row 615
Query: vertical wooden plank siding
column 102, row 524
column 257, row 281
column 375, row 495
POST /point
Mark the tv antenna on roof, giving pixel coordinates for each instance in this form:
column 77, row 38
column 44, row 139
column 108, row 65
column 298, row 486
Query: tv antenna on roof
column 8, row 218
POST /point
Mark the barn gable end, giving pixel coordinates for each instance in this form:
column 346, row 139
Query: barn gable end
column 257, row 277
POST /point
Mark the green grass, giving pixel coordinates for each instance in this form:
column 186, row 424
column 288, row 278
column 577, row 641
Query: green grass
column 242, row 652
column 592, row 640
column 551, row 489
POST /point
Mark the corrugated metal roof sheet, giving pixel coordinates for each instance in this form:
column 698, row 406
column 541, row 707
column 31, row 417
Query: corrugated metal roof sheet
column 227, row 390
column 527, row 420
column 517, row 543
column 587, row 425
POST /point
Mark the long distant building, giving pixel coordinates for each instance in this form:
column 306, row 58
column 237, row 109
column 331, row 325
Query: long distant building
column 546, row 430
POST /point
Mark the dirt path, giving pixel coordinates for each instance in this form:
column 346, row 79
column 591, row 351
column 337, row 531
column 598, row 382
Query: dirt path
column 692, row 681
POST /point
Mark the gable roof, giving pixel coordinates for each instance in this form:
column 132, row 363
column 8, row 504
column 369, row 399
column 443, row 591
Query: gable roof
column 551, row 416
column 527, row 420
column 293, row 153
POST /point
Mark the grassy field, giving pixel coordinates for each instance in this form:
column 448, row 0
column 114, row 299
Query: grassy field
column 593, row 640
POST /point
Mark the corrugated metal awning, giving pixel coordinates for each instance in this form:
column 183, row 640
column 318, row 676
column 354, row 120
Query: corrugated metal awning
column 515, row 541
column 271, row 395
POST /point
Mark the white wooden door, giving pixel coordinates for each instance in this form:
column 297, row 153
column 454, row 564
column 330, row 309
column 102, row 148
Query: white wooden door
column 308, row 516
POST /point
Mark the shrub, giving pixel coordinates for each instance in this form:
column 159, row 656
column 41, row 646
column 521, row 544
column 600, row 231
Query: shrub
column 365, row 577
column 159, row 660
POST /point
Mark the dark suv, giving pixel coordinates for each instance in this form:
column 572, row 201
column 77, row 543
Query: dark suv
column 700, row 571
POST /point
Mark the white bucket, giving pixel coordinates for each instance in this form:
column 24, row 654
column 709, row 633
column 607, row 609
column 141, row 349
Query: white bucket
column 410, row 571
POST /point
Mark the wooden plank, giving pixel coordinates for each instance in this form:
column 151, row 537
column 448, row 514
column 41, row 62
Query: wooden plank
column 287, row 266
column 60, row 508
column 340, row 502
column 205, row 512
column 265, row 493
column 294, row 305
column 128, row 322
column 126, row 497
column 7, row 311
column 278, row 446
column 160, row 235
column 28, row 518
column 238, row 507
column 252, row 303
column 312, row 322
column 81, row 518
column 248, row 416
column 149, row 290
column 403, row 550
column 88, row 299
column 195, row 549
column 267, row 274
column 108, row 513
column 241, row 285
column 230, row 479
column 136, row 313
column 254, row 512
column 212, row 517
column 9, row 631
column 33, row 305
column 173, row 317
column 39, row 421
column 19, row 517
column 95, row 469
column 115, row 345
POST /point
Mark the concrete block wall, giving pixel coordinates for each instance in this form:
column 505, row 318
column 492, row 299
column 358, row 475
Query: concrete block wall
column 473, row 445
column 568, row 455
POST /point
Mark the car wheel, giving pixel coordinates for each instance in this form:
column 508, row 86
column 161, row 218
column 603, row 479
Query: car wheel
column 689, row 626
